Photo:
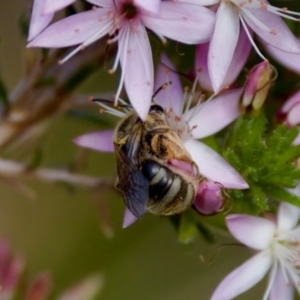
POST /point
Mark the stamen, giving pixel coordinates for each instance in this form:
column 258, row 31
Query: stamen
column 124, row 42
column 271, row 280
column 111, row 110
column 250, row 38
column 116, row 62
column 89, row 41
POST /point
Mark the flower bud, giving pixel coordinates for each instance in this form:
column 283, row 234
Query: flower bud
column 210, row 197
column 258, row 85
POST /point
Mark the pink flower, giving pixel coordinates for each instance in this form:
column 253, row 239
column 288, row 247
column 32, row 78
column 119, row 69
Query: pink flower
column 191, row 124
column 277, row 243
column 126, row 21
column 42, row 14
column 264, row 19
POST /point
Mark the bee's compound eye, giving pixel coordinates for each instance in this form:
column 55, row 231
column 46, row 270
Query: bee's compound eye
column 156, row 108
column 150, row 168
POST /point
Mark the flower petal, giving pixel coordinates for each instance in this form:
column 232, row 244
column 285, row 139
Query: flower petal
column 98, row 140
column 75, row 29
column 240, row 56
column 213, row 166
column 282, row 38
column 281, row 290
column 254, row 232
column 51, row 6
column 182, row 22
column 38, row 21
column 129, row 218
column 244, row 277
column 222, row 44
column 172, row 94
column 288, row 216
column 137, row 65
column 287, row 59
column 212, row 116
column 292, row 101
column 152, row 6
column 201, row 2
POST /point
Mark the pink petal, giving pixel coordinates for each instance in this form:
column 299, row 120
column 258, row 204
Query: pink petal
column 51, row 6
column 293, row 117
column 244, row 277
column 254, row 232
column 200, row 2
column 75, row 29
column 137, row 66
column 98, row 140
column 287, row 59
column 212, row 116
column 297, row 139
column 129, row 218
column 151, row 6
column 86, row 289
column 172, row 95
column 213, row 166
column 182, row 22
column 283, row 39
column 38, row 21
column 240, row 56
column 288, row 104
column 288, row 216
column 280, row 289
column 222, row 44
column 104, row 3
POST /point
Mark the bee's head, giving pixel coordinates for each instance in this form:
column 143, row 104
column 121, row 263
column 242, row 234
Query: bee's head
column 155, row 108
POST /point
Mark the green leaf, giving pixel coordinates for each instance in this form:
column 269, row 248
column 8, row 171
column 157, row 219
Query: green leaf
column 279, row 193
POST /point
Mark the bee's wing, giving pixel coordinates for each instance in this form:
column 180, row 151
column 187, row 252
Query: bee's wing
column 133, row 184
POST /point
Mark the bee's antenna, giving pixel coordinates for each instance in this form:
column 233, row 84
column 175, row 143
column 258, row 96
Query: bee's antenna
column 111, row 102
column 161, row 88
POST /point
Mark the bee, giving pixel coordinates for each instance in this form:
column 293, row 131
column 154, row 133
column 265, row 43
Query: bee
column 148, row 154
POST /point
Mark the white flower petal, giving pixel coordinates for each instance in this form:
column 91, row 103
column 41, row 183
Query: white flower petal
column 172, row 95
column 291, row 101
column 240, row 56
column 75, row 29
column 182, row 22
column 51, row 6
column 38, row 21
column 213, row 166
column 288, row 216
column 137, row 65
column 152, row 6
column 201, row 2
column 280, row 290
column 244, row 277
column 212, row 116
column 98, row 140
column 287, row 59
column 282, row 39
column 222, row 44
column 254, row 232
